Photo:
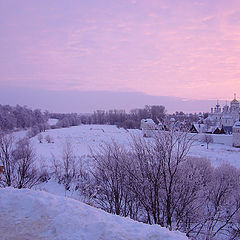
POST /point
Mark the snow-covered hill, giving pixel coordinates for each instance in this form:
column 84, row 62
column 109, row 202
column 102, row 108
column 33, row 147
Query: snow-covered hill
column 27, row 214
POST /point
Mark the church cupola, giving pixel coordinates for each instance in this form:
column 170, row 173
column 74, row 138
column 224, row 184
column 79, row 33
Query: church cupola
column 217, row 109
column 226, row 108
column 234, row 105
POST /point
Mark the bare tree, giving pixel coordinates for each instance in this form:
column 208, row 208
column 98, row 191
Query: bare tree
column 223, row 201
column 25, row 171
column 207, row 139
column 110, row 178
column 68, row 160
column 18, row 161
column 65, row 167
column 194, row 176
column 155, row 172
column 6, row 148
column 48, row 138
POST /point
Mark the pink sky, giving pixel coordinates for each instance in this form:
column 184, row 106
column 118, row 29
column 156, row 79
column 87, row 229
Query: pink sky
column 188, row 48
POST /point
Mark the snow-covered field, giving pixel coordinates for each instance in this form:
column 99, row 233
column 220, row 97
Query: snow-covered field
column 82, row 138
column 217, row 153
column 27, row 214
column 85, row 137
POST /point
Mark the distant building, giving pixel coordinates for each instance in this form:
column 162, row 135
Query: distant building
column 148, row 127
column 236, row 134
column 198, row 128
column 225, row 117
column 204, row 128
column 220, row 120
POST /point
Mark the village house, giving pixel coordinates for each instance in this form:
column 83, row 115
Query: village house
column 148, row 127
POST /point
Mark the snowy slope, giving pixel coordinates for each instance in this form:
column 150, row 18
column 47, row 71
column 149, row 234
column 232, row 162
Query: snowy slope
column 82, row 139
column 26, row 215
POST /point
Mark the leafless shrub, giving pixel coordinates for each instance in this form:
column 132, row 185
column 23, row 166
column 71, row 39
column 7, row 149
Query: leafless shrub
column 110, row 180
column 33, row 131
column 6, row 148
column 48, row 139
column 207, row 138
column 26, row 174
column 18, row 160
column 40, row 138
column 65, row 168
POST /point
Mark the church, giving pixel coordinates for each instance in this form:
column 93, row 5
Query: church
column 224, row 117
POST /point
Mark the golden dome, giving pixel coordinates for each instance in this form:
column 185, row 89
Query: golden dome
column 234, row 101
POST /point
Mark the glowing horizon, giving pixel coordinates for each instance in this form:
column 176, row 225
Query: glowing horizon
column 187, row 49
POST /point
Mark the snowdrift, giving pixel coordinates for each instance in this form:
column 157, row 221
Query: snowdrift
column 26, row 215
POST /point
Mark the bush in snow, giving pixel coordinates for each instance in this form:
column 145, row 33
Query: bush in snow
column 65, row 168
column 33, row 131
column 48, row 139
column 40, row 138
column 18, row 159
column 207, row 139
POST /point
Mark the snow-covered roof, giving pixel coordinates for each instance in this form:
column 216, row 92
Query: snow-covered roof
column 199, row 127
column 148, row 120
column 211, row 129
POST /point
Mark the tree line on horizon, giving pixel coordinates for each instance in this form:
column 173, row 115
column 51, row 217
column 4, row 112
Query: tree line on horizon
column 21, row 117
column 127, row 120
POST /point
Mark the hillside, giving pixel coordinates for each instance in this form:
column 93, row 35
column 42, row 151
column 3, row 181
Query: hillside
column 26, row 214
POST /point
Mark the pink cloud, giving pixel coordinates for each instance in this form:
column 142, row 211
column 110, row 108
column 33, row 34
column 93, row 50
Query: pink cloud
column 147, row 46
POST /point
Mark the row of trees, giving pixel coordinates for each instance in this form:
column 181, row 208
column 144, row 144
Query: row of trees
column 112, row 117
column 66, row 120
column 20, row 117
column 123, row 119
column 132, row 119
column 23, row 117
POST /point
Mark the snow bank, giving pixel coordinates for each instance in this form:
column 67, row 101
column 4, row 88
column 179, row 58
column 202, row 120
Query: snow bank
column 27, row 214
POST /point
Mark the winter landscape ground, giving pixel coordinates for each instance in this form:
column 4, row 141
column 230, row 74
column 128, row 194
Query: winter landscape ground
column 37, row 214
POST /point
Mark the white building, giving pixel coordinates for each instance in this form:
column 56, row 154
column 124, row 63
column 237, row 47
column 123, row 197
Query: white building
column 236, row 134
column 225, row 117
column 148, row 127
